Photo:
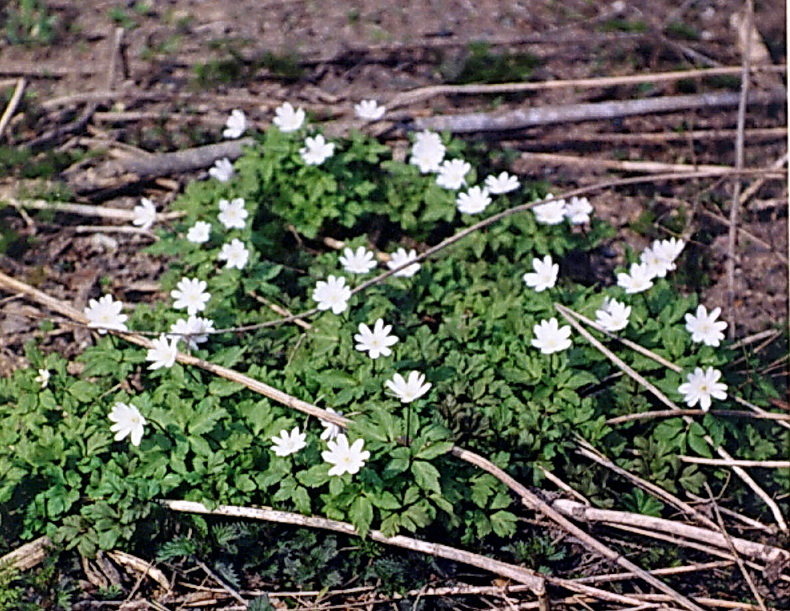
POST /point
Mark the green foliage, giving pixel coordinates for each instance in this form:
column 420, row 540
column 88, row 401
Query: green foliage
column 29, row 22
column 482, row 65
column 466, row 320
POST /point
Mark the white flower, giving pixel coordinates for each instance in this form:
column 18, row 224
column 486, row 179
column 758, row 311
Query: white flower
column 376, row 342
column 193, row 330
column 452, row 174
column 105, row 314
column 199, row 232
column 613, row 315
column 289, row 443
column 144, row 214
column 657, row 265
column 332, row 294
column 316, row 150
column 222, row 170
column 704, row 327
column 701, row 386
column 550, row 337
column 578, row 210
column 669, row 249
column 43, row 378
column 288, row 119
column 331, row 430
column 190, row 293
column 232, row 214
column 359, row 261
column 427, row 152
column 401, row 257
column 236, row 124
column 408, row 390
column 344, row 458
column 474, row 201
column 639, row 278
column 128, row 421
column 550, row 213
column 369, row 110
column 164, row 352
column 545, row 275
column 504, row 183
column 234, row 254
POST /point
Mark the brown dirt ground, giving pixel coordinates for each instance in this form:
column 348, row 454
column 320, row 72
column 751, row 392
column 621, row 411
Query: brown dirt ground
column 336, row 53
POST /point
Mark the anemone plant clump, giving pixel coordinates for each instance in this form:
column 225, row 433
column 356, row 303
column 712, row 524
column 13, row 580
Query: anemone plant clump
column 471, row 346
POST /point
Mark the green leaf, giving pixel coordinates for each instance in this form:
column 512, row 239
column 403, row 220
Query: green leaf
column 503, row 523
column 361, row 514
column 436, row 449
column 696, row 440
column 426, row 476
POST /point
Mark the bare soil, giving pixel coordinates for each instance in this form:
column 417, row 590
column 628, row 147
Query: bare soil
column 174, row 69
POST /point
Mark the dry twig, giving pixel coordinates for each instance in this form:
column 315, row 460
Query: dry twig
column 10, row 108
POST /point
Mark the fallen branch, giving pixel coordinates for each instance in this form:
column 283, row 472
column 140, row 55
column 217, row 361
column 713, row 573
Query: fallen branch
column 623, row 166
column 105, row 212
column 27, row 556
column 755, row 551
column 763, row 464
column 573, row 113
column 10, row 109
column 122, row 171
column 535, row 582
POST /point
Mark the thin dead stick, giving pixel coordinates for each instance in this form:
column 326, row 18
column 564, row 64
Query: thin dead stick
column 221, row 582
column 661, row 360
column 747, row 479
column 734, row 514
column 755, row 186
column 113, row 229
column 767, row 133
column 147, row 569
column 763, row 464
column 562, row 485
column 11, row 107
column 736, row 189
column 588, row 451
column 535, row 582
column 573, row 113
column 115, row 56
column 674, row 570
column 671, row 413
column 539, row 505
column 755, row 551
column 712, row 602
column 279, row 309
column 734, row 551
column 117, row 214
column 623, row 166
column 424, row 93
column 726, row 222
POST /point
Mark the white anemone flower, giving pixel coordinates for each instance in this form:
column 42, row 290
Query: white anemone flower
column 401, row 257
column 701, row 386
column 657, row 265
column 411, row 389
column 545, row 274
column 331, row 430
column 369, row 110
column 199, row 232
column 128, row 422
column 105, row 314
column 222, row 170
column 232, row 214
column 43, row 378
column 345, row 458
column 613, row 315
column 236, row 124
column 287, row 118
column 375, row 342
column 428, row 152
column 190, row 293
column 144, row 214
column 704, row 327
column 550, row 337
column 289, row 443
column 332, row 294
column 316, row 150
column 578, row 210
column 504, row 183
column 452, row 174
column 193, row 330
column 164, row 352
column 639, row 278
column 550, row 213
column 359, row 261
column 235, row 254
column 474, row 201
